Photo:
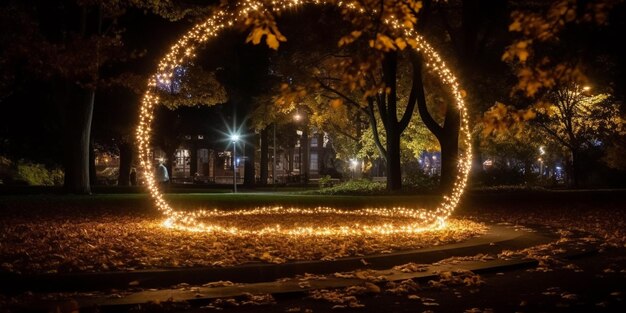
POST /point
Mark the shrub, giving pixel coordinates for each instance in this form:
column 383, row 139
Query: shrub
column 325, row 181
column 38, row 174
column 415, row 178
column 358, row 186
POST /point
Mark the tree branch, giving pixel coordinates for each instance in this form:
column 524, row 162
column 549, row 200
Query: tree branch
column 422, row 108
column 373, row 124
column 382, row 108
column 337, row 92
column 410, row 106
column 341, row 131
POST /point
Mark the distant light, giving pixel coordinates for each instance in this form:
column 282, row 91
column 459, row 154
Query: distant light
column 542, row 151
column 234, row 137
column 586, row 88
column 558, row 168
column 297, row 117
column 354, row 162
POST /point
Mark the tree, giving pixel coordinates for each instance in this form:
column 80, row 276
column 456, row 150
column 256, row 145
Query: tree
column 558, row 47
column 370, row 75
column 191, row 85
column 553, row 46
column 512, row 154
column 67, row 43
column 577, row 120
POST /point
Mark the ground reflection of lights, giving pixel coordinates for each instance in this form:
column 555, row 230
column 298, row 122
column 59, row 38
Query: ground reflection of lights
column 184, row 50
column 337, row 221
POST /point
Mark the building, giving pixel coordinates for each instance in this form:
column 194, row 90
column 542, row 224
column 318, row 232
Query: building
column 198, row 160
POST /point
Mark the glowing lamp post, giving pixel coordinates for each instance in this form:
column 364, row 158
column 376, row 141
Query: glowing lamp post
column 299, row 118
column 540, row 167
column 234, row 138
column 299, row 132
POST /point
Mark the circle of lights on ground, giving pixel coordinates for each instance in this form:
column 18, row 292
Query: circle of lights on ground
column 413, row 220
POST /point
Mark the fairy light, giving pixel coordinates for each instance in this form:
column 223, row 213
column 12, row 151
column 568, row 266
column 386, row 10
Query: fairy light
column 417, row 220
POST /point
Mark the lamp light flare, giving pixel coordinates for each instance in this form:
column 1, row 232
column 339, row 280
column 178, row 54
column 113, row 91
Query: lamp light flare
column 184, row 50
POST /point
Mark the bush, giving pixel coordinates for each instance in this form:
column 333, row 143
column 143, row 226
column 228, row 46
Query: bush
column 325, row 181
column 414, row 178
column 358, row 186
column 38, row 174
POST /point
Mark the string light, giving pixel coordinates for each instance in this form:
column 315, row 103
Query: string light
column 417, row 220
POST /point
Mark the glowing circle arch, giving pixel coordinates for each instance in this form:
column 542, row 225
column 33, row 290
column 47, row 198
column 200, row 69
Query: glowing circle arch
column 184, row 50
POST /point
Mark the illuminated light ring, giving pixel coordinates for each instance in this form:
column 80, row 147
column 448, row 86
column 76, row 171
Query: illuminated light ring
column 185, row 49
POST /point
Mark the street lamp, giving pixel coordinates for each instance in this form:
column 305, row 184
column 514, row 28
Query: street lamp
column 234, row 138
column 303, row 118
column 299, row 132
column 542, row 152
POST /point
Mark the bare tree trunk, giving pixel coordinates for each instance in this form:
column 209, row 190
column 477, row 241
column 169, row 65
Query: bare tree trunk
column 78, row 133
column 447, row 135
column 392, row 128
column 264, row 156
column 450, row 148
column 394, row 168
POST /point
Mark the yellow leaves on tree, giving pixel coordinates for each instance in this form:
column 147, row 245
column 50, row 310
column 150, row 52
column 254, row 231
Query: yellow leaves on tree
column 273, row 36
column 502, row 118
column 520, row 50
column 350, row 38
column 289, row 96
column 546, row 75
column 536, row 72
column 383, row 43
column 386, row 43
column 263, row 24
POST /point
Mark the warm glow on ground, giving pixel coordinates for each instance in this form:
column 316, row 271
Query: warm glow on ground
column 415, row 220
column 119, row 242
column 320, row 221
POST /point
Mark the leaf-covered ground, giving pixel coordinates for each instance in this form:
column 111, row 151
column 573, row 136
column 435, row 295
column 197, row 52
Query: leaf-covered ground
column 77, row 238
column 593, row 283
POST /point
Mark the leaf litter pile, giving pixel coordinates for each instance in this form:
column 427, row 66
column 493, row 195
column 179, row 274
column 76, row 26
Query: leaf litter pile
column 114, row 242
